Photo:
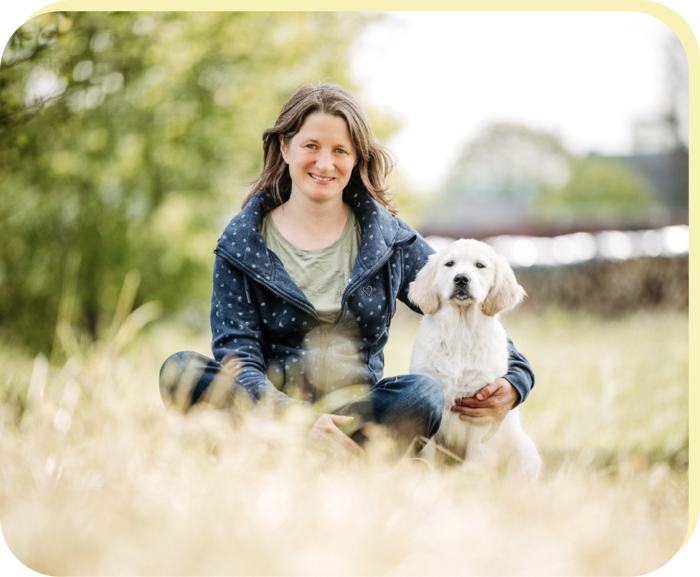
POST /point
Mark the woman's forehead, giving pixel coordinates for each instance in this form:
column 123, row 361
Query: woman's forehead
column 320, row 123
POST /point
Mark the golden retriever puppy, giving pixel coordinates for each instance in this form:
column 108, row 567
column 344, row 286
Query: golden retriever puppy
column 463, row 347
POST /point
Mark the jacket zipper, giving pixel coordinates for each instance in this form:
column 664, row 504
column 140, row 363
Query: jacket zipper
column 325, row 365
column 359, row 284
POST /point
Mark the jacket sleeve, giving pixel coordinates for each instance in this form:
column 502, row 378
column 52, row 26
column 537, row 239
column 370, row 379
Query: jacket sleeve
column 237, row 340
column 519, row 373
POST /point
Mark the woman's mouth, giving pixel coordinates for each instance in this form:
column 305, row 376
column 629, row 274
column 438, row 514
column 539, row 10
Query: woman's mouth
column 320, row 178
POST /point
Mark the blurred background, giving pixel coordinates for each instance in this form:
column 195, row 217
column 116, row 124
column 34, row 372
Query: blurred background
column 127, row 143
column 561, row 139
column 128, row 139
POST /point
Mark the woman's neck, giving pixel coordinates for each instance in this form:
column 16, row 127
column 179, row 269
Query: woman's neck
column 310, row 226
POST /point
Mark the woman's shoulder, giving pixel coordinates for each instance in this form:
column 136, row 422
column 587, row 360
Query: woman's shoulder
column 410, row 240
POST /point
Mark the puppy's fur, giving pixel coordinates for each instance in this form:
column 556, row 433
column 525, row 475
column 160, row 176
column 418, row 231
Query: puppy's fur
column 463, row 347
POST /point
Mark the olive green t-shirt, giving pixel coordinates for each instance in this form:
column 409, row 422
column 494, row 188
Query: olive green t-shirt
column 321, row 274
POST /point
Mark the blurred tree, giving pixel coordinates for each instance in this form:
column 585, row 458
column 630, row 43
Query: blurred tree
column 515, row 175
column 508, row 163
column 126, row 140
column 600, row 190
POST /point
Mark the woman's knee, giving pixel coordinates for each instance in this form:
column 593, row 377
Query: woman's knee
column 180, row 376
column 410, row 399
column 187, row 378
column 429, row 395
column 411, row 406
column 173, row 368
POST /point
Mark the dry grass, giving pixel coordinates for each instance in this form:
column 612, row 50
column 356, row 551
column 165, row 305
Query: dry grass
column 98, row 479
column 612, row 388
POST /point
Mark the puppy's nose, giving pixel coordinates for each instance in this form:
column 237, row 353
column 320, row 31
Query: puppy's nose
column 462, row 280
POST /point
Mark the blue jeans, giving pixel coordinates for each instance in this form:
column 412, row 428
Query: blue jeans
column 410, row 406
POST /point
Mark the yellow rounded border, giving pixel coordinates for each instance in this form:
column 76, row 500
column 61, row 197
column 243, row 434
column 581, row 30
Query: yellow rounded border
column 663, row 13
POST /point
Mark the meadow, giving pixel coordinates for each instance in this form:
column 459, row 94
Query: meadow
column 97, row 478
column 126, row 139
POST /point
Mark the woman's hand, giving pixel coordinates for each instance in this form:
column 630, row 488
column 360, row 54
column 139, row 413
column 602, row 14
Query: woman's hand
column 325, row 434
column 490, row 405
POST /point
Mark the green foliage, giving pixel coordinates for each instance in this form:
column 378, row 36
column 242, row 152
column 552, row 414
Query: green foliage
column 409, row 200
column 510, row 165
column 598, row 188
column 127, row 140
column 508, row 162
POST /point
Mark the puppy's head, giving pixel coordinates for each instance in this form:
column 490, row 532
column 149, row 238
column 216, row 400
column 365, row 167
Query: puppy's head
column 466, row 273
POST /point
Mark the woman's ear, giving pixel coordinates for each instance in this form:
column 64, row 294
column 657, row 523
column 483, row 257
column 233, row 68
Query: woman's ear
column 505, row 292
column 283, row 148
column 423, row 291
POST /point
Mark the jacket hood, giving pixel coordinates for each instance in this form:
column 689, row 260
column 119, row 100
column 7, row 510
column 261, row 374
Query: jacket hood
column 242, row 244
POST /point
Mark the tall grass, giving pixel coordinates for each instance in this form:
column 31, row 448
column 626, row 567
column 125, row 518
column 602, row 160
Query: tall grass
column 97, row 478
column 612, row 388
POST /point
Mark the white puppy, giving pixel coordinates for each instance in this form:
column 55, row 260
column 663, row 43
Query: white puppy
column 463, row 347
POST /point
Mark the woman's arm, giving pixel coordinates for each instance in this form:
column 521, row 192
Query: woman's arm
column 519, row 373
column 237, row 337
column 236, row 332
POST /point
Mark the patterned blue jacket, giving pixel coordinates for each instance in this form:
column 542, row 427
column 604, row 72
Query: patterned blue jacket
column 265, row 330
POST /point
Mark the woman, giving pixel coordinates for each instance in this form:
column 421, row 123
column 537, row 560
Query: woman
column 305, row 285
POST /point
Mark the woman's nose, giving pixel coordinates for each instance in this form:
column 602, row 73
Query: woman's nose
column 324, row 160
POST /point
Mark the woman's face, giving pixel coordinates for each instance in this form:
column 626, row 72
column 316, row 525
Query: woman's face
column 320, row 158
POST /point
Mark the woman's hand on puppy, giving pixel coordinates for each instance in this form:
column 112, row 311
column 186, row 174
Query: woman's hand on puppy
column 325, row 434
column 490, row 405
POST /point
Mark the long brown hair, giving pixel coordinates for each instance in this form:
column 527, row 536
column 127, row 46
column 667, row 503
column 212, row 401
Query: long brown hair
column 374, row 161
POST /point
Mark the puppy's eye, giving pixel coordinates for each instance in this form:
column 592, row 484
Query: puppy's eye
column 479, row 265
column 450, row 263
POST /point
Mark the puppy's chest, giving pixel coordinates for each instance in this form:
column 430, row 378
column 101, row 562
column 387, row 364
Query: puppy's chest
column 466, row 365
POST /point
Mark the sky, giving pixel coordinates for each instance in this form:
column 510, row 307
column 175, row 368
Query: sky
column 587, row 77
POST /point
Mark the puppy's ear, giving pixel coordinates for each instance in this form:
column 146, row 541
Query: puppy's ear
column 423, row 291
column 505, row 292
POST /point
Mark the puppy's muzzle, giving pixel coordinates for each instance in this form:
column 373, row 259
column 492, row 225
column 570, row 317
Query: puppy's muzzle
column 461, row 290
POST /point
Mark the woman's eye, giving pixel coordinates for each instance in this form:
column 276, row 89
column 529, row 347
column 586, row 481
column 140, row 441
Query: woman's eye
column 479, row 265
column 450, row 263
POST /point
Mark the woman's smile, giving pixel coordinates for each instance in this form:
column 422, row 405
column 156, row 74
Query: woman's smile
column 320, row 178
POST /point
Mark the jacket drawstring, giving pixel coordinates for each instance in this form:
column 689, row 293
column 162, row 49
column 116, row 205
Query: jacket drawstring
column 246, row 288
column 390, row 302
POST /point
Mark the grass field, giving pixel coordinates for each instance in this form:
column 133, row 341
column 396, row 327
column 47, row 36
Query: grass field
column 97, row 479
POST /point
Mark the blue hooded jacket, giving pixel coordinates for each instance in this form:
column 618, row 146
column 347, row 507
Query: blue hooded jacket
column 265, row 330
